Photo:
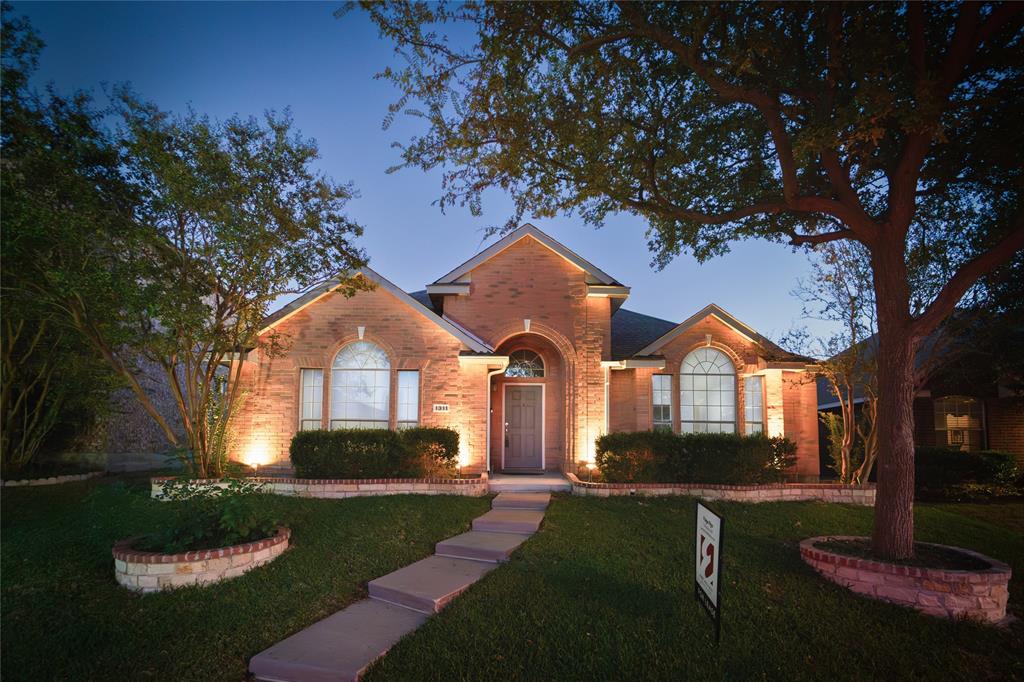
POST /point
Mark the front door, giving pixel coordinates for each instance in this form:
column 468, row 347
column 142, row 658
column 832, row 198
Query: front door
column 524, row 423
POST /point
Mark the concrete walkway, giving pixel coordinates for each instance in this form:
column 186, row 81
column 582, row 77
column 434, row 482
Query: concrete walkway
column 342, row 646
column 549, row 482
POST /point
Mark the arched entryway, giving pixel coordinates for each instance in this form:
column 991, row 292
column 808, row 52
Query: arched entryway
column 528, row 401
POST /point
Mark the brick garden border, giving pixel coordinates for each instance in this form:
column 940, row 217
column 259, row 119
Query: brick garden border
column 151, row 571
column 775, row 492
column 54, row 480
column 978, row 595
column 339, row 488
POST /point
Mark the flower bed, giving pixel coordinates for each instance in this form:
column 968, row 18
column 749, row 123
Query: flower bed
column 54, row 480
column 771, row 492
column 476, row 486
column 151, row 571
column 979, row 594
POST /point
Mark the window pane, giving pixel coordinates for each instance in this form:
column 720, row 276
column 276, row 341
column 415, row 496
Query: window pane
column 707, row 396
column 360, row 387
column 661, row 399
column 311, row 391
column 959, row 423
column 408, row 398
column 524, row 363
column 753, row 404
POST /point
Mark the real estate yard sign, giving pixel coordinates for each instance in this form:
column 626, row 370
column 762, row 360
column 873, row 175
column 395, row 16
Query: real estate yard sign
column 708, row 565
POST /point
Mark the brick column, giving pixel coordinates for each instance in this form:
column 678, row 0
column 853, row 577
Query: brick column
column 774, row 411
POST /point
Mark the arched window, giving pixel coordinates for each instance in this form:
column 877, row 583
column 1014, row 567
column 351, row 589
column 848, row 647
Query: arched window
column 707, row 401
column 524, row 363
column 360, row 387
column 959, row 423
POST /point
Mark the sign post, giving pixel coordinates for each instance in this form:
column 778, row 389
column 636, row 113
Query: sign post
column 708, row 565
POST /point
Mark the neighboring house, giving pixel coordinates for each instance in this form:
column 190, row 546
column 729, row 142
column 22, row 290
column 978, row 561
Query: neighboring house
column 526, row 351
column 953, row 409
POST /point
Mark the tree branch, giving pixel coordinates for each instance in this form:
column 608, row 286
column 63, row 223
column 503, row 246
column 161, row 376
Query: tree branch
column 965, row 278
column 592, row 44
column 800, row 239
column 962, row 46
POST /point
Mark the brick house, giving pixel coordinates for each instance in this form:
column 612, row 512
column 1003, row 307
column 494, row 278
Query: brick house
column 526, row 350
column 953, row 408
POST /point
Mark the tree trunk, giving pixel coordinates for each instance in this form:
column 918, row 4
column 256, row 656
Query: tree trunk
column 893, row 536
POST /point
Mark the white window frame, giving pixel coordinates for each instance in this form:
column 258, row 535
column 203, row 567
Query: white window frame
column 366, row 361
column 699, row 389
column 408, row 415
column 753, row 421
column 664, row 393
column 311, row 396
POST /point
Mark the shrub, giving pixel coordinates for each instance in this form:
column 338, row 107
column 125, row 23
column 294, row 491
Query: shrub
column 664, row 457
column 434, row 450
column 375, row 453
column 939, row 469
column 207, row 516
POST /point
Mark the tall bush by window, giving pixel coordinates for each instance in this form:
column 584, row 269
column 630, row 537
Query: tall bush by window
column 375, row 453
column 664, row 457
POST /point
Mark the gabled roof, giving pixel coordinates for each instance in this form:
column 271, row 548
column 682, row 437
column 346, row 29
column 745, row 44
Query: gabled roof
column 283, row 313
column 528, row 230
column 631, row 331
column 722, row 316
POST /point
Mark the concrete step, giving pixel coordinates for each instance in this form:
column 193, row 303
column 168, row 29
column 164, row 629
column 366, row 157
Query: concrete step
column 480, row 546
column 339, row 647
column 428, row 585
column 504, row 483
column 534, row 501
column 509, row 521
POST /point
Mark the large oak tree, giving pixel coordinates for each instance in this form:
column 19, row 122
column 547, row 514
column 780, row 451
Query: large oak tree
column 894, row 125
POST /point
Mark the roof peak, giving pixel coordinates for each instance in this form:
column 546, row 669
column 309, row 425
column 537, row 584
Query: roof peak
column 521, row 232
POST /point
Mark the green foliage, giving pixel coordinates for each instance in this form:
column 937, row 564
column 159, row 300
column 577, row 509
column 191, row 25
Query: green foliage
column 665, row 457
column 59, row 595
column 890, row 124
column 207, row 516
column 165, row 238
column 59, row 185
column 717, row 123
column 375, row 453
column 943, row 472
column 434, row 450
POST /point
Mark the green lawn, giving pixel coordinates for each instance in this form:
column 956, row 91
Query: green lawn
column 63, row 616
column 604, row 591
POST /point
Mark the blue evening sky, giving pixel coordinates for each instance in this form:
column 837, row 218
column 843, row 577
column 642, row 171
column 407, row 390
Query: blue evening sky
column 226, row 58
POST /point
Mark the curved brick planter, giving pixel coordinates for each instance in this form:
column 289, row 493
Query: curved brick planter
column 776, row 492
column 54, row 480
column 151, row 571
column 979, row 595
column 337, row 488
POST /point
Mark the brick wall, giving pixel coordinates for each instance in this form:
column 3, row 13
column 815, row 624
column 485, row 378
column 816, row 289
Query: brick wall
column 554, row 400
column 269, row 415
column 1005, row 423
column 800, row 402
column 793, row 392
column 529, row 281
